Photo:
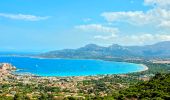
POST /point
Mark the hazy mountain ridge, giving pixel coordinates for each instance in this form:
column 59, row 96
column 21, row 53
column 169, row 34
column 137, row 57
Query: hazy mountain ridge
column 161, row 49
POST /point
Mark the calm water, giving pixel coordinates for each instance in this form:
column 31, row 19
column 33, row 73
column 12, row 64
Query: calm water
column 69, row 67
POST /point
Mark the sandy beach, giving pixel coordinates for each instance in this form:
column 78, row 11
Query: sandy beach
column 145, row 67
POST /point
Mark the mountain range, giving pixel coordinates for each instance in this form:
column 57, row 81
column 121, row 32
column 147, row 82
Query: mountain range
column 158, row 50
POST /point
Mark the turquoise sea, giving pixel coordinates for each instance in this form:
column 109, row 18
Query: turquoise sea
column 69, row 67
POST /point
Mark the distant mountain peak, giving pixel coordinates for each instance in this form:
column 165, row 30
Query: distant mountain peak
column 114, row 45
column 163, row 43
column 91, row 45
column 161, row 50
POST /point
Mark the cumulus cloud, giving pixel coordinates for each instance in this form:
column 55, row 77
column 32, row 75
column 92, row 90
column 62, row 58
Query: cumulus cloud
column 146, row 38
column 159, row 15
column 23, row 17
column 165, row 24
column 158, row 3
column 153, row 16
column 133, row 39
column 137, row 17
column 97, row 28
column 156, row 18
column 112, row 36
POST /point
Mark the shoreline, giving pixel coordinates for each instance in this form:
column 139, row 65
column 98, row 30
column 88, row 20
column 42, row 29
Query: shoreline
column 144, row 66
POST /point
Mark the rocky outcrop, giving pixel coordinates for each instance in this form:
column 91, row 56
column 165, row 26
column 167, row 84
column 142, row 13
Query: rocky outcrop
column 5, row 69
column 6, row 66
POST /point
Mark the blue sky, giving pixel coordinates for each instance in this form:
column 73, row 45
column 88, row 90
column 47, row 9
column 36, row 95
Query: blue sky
column 42, row 25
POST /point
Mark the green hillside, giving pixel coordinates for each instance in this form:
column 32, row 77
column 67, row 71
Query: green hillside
column 158, row 88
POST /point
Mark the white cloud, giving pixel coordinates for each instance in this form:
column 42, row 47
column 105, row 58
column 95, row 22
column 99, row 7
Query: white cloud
column 151, row 17
column 136, row 17
column 157, row 18
column 23, row 17
column 165, row 24
column 112, row 36
column 97, row 28
column 135, row 39
column 146, row 38
column 158, row 3
column 159, row 15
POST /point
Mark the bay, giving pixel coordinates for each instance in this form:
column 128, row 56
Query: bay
column 69, row 67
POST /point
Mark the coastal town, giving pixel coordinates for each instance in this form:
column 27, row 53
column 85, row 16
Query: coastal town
column 59, row 88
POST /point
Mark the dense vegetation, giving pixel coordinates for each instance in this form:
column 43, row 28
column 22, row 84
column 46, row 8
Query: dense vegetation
column 158, row 88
